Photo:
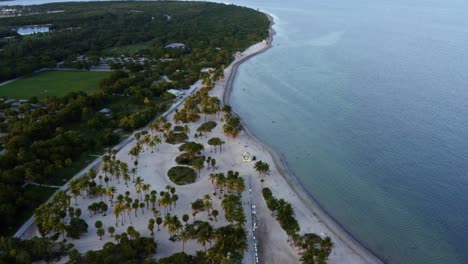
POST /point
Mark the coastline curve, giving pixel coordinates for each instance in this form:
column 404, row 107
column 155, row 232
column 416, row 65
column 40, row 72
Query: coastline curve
column 281, row 164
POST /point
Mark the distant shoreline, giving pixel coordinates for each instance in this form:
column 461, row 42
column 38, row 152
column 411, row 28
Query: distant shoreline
column 281, row 164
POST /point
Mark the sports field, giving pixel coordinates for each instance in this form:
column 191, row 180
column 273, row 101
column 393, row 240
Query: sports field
column 53, row 83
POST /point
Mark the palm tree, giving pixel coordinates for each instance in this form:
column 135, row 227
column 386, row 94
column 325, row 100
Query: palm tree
column 198, row 165
column 135, row 206
column 207, row 203
column 159, row 221
column 169, row 224
column 100, row 191
column 204, row 233
column 184, row 236
column 239, row 185
column 126, row 178
column 139, row 185
column 111, row 192
column 133, row 171
column 186, row 130
column 117, row 211
column 215, row 214
column 212, row 177
column 92, row 174
column 111, row 230
column 213, row 164
column 327, row 244
column 98, row 224
column 262, row 168
column 185, row 218
column 100, row 232
column 175, row 197
column 61, row 227
column 151, row 225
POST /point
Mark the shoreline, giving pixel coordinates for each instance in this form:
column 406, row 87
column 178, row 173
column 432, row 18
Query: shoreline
column 281, row 165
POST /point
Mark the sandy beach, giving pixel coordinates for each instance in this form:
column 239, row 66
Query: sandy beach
column 273, row 246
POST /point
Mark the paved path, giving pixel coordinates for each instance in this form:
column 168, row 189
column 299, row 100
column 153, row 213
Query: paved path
column 250, row 257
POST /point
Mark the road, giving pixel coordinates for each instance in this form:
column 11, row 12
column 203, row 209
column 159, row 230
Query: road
column 250, row 257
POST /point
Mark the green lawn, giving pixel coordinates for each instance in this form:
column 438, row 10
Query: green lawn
column 53, row 83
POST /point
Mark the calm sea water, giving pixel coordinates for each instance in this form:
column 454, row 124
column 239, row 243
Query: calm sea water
column 368, row 100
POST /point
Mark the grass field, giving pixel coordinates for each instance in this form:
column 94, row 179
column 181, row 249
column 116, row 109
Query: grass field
column 53, row 83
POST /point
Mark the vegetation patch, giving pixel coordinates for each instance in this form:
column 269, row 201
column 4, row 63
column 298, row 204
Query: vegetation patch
column 178, row 128
column 207, row 126
column 182, row 175
column 176, row 138
column 53, row 83
column 182, row 159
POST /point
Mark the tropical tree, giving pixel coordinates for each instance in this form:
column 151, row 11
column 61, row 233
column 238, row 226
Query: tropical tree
column 159, row 221
column 215, row 214
column 184, row 236
column 139, row 185
column 98, row 224
column 111, row 230
column 151, row 225
column 204, row 233
column 100, row 232
column 185, row 218
column 207, row 203
column 198, row 165
column 262, row 168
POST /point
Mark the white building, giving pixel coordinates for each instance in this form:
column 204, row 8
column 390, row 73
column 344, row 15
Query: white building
column 176, row 93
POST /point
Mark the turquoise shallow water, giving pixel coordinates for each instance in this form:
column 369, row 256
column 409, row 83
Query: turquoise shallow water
column 368, row 100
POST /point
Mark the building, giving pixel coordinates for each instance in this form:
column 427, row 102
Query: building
column 246, row 157
column 176, row 46
column 176, row 93
column 106, row 111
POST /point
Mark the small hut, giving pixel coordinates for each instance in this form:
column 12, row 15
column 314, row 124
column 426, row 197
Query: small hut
column 246, row 157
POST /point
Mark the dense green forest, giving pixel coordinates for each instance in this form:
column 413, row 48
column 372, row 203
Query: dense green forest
column 94, row 27
column 44, row 141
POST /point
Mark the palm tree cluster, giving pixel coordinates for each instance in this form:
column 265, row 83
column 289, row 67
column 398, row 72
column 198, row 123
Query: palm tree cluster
column 58, row 216
column 230, row 183
column 145, row 139
column 197, row 103
column 233, row 211
column 232, row 126
column 191, row 149
column 125, row 204
column 227, row 244
column 98, row 207
column 315, row 249
column 216, row 142
column 115, row 168
column 130, row 247
column 284, row 212
column 50, row 217
column 262, row 168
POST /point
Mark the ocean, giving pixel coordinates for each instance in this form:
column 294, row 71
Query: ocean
column 368, row 101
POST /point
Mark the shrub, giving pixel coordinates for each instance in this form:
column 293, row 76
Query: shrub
column 207, row 126
column 182, row 159
column 178, row 128
column 182, row 175
column 177, row 138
